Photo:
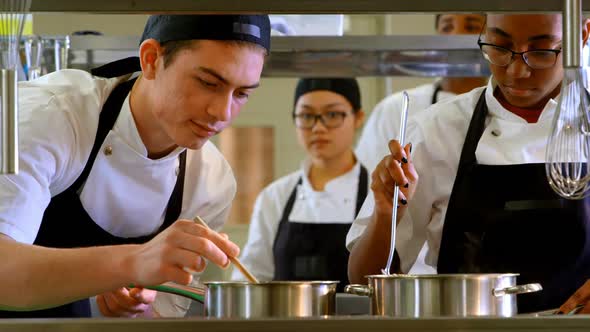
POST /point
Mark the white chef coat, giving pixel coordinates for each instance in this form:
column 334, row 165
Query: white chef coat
column 384, row 121
column 438, row 136
column 335, row 204
column 126, row 192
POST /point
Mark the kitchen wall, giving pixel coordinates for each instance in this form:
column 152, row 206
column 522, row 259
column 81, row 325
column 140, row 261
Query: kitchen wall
column 271, row 105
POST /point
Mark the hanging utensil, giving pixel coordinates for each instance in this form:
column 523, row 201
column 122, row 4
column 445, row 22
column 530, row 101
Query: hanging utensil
column 568, row 147
column 401, row 139
column 234, row 260
column 33, row 55
column 12, row 20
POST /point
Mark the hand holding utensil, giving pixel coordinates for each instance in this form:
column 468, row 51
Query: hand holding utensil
column 402, row 137
column 234, row 260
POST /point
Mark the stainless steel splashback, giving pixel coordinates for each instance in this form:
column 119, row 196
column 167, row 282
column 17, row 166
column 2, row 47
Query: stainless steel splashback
column 425, row 56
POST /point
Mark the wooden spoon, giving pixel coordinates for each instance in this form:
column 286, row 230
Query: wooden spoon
column 234, row 260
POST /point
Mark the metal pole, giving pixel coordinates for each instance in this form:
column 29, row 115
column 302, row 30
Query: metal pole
column 572, row 33
column 9, row 110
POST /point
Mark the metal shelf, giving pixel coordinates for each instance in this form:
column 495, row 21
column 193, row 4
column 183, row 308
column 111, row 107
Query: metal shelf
column 345, row 56
column 297, row 6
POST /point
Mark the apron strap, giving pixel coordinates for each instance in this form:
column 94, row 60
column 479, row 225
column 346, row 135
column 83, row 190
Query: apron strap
column 108, row 117
column 476, row 129
column 466, row 162
column 437, row 89
column 362, row 190
column 174, row 206
column 290, row 203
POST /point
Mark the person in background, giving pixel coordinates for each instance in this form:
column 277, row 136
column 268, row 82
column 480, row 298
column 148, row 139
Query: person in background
column 383, row 123
column 473, row 193
column 300, row 221
column 113, row 169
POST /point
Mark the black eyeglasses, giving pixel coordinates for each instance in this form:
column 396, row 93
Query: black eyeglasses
column 501, row 56
column 332, row 119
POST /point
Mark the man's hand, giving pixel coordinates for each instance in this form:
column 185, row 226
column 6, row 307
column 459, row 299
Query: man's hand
column 123, row 302
column 182, row 247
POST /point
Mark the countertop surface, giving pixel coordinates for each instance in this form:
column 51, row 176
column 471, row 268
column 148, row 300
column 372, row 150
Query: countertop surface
column 336, row 323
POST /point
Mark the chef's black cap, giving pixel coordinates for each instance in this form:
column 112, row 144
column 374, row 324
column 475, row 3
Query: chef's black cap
column 249, row 28
column 347, row 87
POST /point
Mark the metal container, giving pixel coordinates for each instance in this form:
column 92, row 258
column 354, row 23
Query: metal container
column 435, row 295
column 270, row 299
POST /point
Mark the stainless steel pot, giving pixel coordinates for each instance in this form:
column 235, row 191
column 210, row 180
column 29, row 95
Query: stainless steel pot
column 457, row 295
column 270, row 299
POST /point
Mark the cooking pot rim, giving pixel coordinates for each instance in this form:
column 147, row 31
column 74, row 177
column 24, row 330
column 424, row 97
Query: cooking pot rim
column 469, row 276
column 264, row 283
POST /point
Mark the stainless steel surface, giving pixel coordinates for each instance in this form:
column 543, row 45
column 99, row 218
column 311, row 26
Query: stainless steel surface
column 9, row 121
column 345, row 56
column 12, row 15
column 296, row 6
column 329, row 324
column 270, row 299
column 455, row 295
column 572, row 33
column 348, row 304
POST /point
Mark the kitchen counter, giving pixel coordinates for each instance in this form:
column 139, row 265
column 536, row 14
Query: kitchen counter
column 337, row 323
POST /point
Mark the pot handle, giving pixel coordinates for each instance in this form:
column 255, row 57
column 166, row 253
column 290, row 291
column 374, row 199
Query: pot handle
column 360, row 290
column 195, row 293
column 519, row 289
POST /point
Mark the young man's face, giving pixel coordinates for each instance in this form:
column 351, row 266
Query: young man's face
column 519, row 84
column 203, row 89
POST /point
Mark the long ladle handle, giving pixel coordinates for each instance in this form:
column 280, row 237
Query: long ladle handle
column 402, row 138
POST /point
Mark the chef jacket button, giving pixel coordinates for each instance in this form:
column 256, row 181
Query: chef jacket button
column 177, row 171
column 496, row 132
column 108, row 150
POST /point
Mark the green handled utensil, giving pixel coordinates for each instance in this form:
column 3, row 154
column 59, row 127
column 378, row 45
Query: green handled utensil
column 193, row 293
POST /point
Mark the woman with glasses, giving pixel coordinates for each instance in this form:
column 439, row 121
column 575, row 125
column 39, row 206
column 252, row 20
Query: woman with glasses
column 300, row 221
column 482, row 202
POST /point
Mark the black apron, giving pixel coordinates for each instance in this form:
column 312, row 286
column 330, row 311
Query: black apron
column 437, row 89
column 506, row 218
column 66, row 224
column 314, row 251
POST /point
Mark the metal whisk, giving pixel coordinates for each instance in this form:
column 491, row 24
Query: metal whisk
column 568, row 146
column 12, row 21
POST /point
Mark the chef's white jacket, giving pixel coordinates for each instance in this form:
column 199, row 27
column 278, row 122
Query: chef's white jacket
column 335, row 204
column 437, row 136
column 384, row 121
column 126, row 192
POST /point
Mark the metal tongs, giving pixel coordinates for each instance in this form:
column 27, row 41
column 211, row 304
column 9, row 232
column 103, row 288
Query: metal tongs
column 401, row 139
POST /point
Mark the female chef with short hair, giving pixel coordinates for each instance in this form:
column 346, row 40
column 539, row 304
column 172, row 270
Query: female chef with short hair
column 300, row 221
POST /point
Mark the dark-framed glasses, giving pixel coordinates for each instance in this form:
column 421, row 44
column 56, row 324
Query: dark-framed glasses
column 536, row 59
column 332, row 119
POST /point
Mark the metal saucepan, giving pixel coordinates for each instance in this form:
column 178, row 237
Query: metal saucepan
column 262, row 300
column 434, row 295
